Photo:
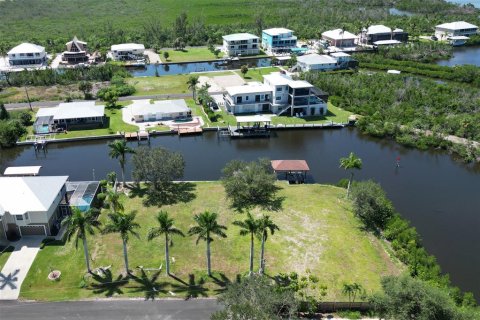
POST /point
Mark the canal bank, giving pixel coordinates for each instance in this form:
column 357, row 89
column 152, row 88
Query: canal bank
column 436, row 193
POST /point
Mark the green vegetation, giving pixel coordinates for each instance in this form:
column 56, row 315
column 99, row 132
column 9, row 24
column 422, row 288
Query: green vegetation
column 317, row 232
column 417, row 51
column 256, row 74
column 4, row 255
column 416, row 112
column 13, row 125
column 191, row 54
column 349, row 163
column 335, row 114
column 119, row 150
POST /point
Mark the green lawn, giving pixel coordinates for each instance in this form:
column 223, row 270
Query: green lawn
column 4, row 256
column 318, row 234
column 256, row 74
column 335, row 114
column 189, row 54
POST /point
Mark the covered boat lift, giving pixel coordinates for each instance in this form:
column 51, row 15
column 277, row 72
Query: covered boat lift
column 295, row 170
column 22, row 171
column 251, row 126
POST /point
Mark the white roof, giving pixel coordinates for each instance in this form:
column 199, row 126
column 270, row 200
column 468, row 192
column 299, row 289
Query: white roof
column 379, row 28
column 457, row 25
column 248, row 88
column 239, row 36
column 255, row 118
column 277, row 31
column 72, row 110
column 339, row 54
column 19, row 195
column 312, row 59
column 127, row 46
column 397, row 30
column 22, row 171
column 27, row 48
column 295, row 84
column 458, row 38
column 338, row 34
column 280, row 79
column 386, row 42
column 143, row 106
column 394, row 71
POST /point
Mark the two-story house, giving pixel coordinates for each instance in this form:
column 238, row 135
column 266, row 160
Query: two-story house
column 127, row 51
column 278, row 39
column 240, row 44
column 27, row 54
column 76, row 52
column 250, row 98
column 456, row 32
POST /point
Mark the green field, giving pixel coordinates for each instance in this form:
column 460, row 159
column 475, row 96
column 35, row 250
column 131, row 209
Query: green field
column 4, row 256
column 318, row 233
column 334, row 114
column 189, row 54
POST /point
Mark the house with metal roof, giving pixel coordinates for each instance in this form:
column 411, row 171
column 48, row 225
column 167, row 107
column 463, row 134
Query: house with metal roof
column 380, row 32
column 339, row 38
column 457, row 32
column 143, row 110
column 127, row 51
column 68, row 116
column 27, row 54
column 29, row 205
column 240, row 44
column 278, row 40
column 76, row 52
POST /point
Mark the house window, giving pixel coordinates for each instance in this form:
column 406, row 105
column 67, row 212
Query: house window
column 279, row 89
column 18, row 217
column 246, row 98
column 278, row 98
column 239, row 99
column 26, row 216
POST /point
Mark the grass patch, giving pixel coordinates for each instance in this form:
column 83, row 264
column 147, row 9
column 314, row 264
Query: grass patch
column 256, row 74
column 335, row 114
column 190, row 54
column 5, row 255
column 318, row 233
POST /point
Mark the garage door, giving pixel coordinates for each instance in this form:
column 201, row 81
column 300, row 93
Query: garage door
column 33, row 231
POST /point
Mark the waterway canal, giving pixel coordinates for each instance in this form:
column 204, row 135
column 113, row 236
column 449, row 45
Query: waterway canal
column 439, row 195
column 463, row 55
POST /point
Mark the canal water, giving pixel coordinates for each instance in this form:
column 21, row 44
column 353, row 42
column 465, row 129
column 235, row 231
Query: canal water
column 439, row 195
column 476, row 3
column 188, row 67
column 462, row 56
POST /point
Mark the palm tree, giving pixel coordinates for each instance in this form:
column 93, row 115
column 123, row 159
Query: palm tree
column 351, row 290
column 78, row 224
column 165, row 227
column 248, row 227
column 348, row 163
column 192, row 85
column 125, row 225
column 207, row 225
column 119, row 150
column 112, row 198
column 265, row 224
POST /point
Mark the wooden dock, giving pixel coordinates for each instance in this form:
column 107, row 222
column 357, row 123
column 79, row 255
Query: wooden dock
column 142, row 135
column 189, row 131
column 131, row 135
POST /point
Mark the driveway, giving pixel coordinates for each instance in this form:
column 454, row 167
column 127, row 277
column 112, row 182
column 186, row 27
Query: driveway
column 17, row 266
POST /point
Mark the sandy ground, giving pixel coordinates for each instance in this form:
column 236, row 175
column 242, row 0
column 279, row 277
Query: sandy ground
column 152, row 56
column 219, row 83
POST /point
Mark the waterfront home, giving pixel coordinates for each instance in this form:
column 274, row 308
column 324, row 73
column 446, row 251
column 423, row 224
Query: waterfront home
column 240, row 44
column 339, row 38
column 279, row 94
column 127, row 52
column 143, row 110
column 317, row 62
column 457, row 32
column 276, row 40
column 68, row 116
column 76, row 52
column 30, row 205
column 27, row 54
column 380, row 33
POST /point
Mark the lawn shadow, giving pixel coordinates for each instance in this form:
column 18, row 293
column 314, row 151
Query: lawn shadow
column 194, row 289
column 170, row 193
column 149, row 285
column 107, row 285
column 222, row 281
column 136, row 190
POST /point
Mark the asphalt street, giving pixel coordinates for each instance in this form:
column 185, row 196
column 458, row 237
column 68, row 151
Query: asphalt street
column 195, row 309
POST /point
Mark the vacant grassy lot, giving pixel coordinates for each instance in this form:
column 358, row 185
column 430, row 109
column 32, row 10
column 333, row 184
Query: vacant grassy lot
column 334, row 114
column 318, row 233
column 189, row 54
column 256, row 74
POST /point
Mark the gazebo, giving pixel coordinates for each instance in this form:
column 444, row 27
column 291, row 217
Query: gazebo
column 295, row 170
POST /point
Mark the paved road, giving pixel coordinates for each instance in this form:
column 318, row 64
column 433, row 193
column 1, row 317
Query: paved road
column 200, row 309
column 49, row 104
column 16, row 268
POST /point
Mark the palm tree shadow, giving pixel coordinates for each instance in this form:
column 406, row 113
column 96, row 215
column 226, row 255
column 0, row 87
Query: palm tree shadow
column 223, row 282
column 170, row 193
column 149, row 285
column 136, row 190
column 193, row 289
column 9, row 280
column 107, row 285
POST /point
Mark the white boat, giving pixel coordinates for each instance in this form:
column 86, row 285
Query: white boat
column 457, row 41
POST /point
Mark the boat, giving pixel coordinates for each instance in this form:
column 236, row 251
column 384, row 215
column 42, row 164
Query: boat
column 457, row 41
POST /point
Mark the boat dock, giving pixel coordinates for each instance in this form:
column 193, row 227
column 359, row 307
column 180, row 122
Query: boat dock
column 189, row 130
column 142, row 135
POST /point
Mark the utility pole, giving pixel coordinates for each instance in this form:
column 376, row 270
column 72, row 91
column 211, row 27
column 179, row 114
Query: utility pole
column 28, row 98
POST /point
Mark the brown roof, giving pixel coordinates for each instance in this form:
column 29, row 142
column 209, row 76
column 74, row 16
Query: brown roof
column 290, row 165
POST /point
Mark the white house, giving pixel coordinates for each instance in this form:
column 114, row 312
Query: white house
column 127, row 51
column 380, row 32
column 143, row 110
column 316, row 62
column 278, row 39
column 29, row 205
column 339, row 38
column 67, row 115
column 279, row 94
column 457, row 28
column 240, row 44
column 27, row 54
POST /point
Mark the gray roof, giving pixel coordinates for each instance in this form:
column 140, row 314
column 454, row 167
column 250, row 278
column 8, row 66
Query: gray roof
column 29, row 194
column 314, row 58
column 239, row 37
column 72, row 110
column 142, row 107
